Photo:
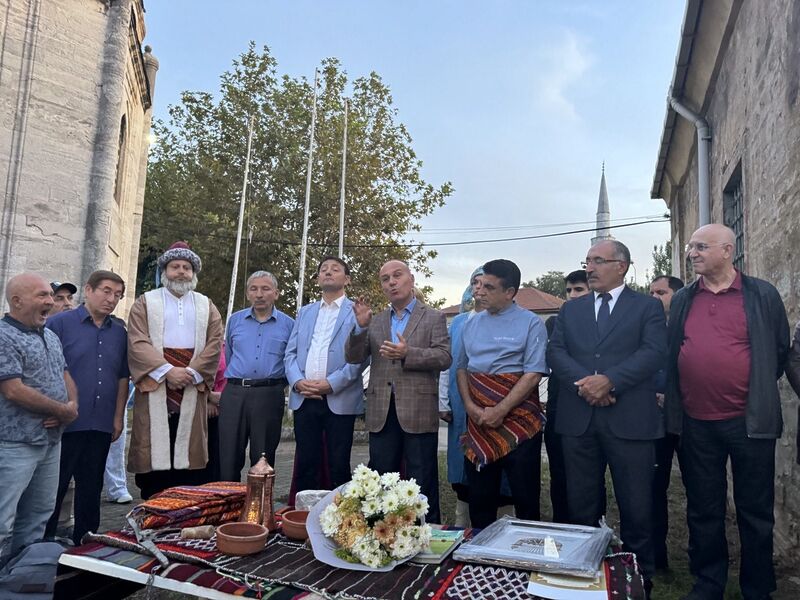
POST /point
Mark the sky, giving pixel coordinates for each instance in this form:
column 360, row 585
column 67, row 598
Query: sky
column 517, row 103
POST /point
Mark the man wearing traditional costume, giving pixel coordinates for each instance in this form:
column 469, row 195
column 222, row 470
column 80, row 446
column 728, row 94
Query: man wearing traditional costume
column 500, row 361
column 174, row 342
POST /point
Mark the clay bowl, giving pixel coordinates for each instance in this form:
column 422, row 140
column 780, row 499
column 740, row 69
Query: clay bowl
column 294, row 524
column 241, row 539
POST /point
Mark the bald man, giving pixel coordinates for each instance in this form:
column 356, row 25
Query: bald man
column 408, row 346
column 728, row 343
column 37, row 400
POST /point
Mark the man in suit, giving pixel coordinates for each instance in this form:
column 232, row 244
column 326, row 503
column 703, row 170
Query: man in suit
column 326, row 391
column 408, row 346
column 605, row 350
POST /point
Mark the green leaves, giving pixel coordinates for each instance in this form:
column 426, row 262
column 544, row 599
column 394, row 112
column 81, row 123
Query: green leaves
column 197, row 166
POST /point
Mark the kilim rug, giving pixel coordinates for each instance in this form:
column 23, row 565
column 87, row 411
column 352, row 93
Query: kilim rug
column 285, row 569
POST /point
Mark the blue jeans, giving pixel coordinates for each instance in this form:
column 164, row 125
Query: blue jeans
column 29, row 479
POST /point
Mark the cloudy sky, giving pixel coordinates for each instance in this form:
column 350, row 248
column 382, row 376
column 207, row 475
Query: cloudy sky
column 517, row 103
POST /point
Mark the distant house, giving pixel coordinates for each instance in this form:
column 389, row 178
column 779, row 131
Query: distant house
column 730, row 153
column 543, row 304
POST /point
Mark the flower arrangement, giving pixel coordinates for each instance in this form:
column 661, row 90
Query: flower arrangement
column 377, row 519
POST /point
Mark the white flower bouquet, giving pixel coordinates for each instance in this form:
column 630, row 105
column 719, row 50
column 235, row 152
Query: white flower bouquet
column 377, row 519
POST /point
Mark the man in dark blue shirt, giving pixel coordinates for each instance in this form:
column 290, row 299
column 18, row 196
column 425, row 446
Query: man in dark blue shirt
column 251, row 406
column 96, row 352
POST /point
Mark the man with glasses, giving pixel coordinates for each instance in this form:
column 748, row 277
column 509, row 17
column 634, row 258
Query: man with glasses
column 728, row 343
column 96, row 353
column 605, row 350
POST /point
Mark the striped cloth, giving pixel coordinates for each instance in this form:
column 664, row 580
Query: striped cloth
column 177, row 357
column 191, row 505
column 485, row 445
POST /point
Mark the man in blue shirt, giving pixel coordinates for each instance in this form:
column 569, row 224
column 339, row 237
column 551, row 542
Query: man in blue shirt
column 37, row 399
column 96, row 352
column 500, row 362
column 251, row 406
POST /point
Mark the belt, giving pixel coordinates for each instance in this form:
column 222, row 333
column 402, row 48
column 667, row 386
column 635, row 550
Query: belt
column 257, row 382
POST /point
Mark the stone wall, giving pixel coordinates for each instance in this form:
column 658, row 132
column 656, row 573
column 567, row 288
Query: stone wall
column 754, row 113
column 54, row 100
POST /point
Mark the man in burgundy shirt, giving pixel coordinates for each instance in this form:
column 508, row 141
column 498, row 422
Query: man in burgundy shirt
column 728, row 342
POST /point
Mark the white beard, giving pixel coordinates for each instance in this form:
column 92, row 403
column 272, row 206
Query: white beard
column 179, row 288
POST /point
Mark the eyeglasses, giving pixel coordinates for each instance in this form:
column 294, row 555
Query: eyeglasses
column 597, row 261
column 700, row 246
column 109, row 292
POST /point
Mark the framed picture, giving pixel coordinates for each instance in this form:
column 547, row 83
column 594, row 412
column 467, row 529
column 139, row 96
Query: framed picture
column 537, row 546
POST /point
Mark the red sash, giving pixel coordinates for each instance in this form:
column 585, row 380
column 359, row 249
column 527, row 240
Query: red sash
column 485, row 445
column 177, row 357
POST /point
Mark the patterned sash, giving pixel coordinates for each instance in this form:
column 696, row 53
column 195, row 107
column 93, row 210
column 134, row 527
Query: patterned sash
column 177, row 357
column 484, row 445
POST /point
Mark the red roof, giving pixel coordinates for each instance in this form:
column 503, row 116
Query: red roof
column 530, row 298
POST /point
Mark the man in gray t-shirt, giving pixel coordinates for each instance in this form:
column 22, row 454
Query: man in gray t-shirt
column 37, row 400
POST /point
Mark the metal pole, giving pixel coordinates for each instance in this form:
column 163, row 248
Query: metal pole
column 304, row 245
column 235, row 271
column 344, row 175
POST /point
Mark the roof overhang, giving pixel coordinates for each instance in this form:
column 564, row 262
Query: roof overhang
column 707, row 26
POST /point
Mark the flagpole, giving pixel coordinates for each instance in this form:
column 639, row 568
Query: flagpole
column 344, row 174
column 304, row 246
column 235, row 272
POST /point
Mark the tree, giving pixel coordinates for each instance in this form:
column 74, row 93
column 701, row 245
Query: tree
column 662, row 259
column 197, row 166
column 551, row 282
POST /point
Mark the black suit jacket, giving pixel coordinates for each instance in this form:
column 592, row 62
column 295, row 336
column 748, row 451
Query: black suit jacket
column 630, row 353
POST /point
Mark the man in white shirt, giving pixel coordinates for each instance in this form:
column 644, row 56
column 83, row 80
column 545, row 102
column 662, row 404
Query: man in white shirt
column 174, row 342
column 326, row 391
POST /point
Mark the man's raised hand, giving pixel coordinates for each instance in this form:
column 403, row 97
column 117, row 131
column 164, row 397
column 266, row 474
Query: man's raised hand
column 362, row 311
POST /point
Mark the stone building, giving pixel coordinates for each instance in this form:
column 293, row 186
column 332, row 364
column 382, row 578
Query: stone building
column 75, row 109
column 734, row 123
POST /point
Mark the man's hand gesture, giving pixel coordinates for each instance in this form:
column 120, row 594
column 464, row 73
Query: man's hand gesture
column 396, row 351
column 362, row 311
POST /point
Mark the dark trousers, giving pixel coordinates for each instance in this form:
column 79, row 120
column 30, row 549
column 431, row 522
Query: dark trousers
column 314, row 422
column 705, row 449
column 558, row 472
column 665, row 450
column 153, row 482
column 632, row 466
column 83, row 457
column 391, row 446
column 522, row 466
column 251, row 414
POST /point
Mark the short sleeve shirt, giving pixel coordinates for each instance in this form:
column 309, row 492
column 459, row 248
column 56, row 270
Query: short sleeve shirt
column 512, row 341
column 34, row 356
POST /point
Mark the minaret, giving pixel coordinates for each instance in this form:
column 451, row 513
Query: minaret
column 603, row 213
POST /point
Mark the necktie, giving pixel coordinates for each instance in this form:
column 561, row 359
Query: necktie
column 603, row 315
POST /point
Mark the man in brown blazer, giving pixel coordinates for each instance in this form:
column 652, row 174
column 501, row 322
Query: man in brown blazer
column 408, row 346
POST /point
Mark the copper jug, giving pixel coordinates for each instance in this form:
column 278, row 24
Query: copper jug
column 258, row 503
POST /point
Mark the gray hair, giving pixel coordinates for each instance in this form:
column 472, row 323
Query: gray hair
column 260, row 274
column 621, row 251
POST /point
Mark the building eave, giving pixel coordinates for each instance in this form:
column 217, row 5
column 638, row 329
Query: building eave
column 682, row 61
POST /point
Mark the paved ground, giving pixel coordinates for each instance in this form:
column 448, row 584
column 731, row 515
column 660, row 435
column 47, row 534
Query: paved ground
column 112, row 515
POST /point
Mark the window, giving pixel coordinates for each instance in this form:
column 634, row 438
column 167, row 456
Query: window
column 121, row 151
column 733, row 213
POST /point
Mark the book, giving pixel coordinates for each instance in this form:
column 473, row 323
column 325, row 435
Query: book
column 554, row 586
column 443, row 542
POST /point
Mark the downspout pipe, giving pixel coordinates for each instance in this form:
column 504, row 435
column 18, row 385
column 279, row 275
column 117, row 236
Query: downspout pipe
column 703, row 158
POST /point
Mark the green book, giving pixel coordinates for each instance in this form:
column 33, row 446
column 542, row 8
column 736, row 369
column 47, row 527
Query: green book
column 443, row 542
